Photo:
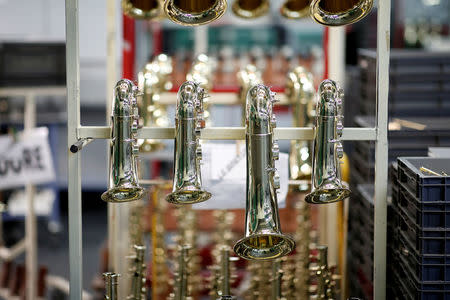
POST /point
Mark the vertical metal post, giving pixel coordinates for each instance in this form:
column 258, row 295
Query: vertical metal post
column 381, row 149
column 30, row 219
column 111, row 76
column 74, row 168
column 200, row 40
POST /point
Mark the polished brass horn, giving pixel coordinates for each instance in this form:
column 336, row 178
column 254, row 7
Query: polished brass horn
column 263, row 237
column 295, row 9
column 153, row 81
column 247, row 77
column 339, row 12
column 300, row 92
column 123, row 182
column 250, row 9
column 327, row 185
column 143, row 9
column 194, row 12
column 187, row 183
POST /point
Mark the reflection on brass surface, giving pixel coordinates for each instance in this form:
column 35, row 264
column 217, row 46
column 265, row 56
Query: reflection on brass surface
column 250, row 9
column 327, row 185
column 263, row 237
column 143, row 9
column 300, row 92
column 339, row 12
column 187, row 184
column 295, row 9
column 194, row 12
column 123, row 183
column 247, row 77
column 153, row 82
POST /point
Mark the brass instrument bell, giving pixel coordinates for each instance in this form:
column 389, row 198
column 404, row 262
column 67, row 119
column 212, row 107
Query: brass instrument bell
column 143, row 9
column 339, row 12
column 327, row 184
column 295, row 9
column 263, row 237
column 250, row 9
column 194, row 12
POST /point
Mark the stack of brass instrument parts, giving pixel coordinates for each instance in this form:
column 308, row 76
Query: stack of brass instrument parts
column 300, row 92
column 260, row 286
column 138, row 268
column 327, row 185
column 111, row 283
column 263, row 237
column 182, row 289
column 302, row 257
column 220, row 284
column 136, row 230
column 325, row 286
column 154, row 80
column 187, row 238
column 277, row 280
column 143, row 9
column 123, row 183
column 160, row 270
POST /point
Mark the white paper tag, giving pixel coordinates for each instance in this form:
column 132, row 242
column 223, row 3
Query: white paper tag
column 27, row 160
column 224, row 172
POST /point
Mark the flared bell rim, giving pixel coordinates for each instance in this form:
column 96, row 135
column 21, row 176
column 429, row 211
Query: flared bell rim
column 137, row 13
column 294, row 14
column 246, row 14
column 347, row 17
column 185, row 18
column 330, row 196
column 188, row 196
column 121, row 194
column 285, row 246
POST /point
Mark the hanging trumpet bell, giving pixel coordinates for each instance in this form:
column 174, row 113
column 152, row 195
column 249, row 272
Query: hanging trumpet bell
column 263, row 237
column 250, row 9
column 153, row 81
column 339, row 12
column 143, row 9
column 247, row 77
column 123, row 182
column 194, row 12
column 295, row 9
column 327, row 185
column 187, row 186
column 300, row 92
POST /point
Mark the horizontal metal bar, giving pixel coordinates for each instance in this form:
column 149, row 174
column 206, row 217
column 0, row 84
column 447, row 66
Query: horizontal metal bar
column 228, row 133
column 219, row 99
column 36, row 91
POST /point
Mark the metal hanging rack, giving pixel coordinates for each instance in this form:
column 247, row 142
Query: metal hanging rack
column 76, row 132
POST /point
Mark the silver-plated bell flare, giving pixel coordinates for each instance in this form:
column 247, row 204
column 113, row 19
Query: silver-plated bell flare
column 263, row 237
column 250, row 9
column 327, row 185
column 295, row 9
column 194, row 12
column 143, row 9
column 123, row 177
column 339, row 12
column 187, row 183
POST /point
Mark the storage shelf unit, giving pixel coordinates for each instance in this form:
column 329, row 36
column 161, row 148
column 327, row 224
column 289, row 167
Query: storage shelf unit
column 76, row 132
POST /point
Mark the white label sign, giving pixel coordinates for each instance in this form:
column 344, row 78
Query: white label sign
column 224, row 172
column 27, row 160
